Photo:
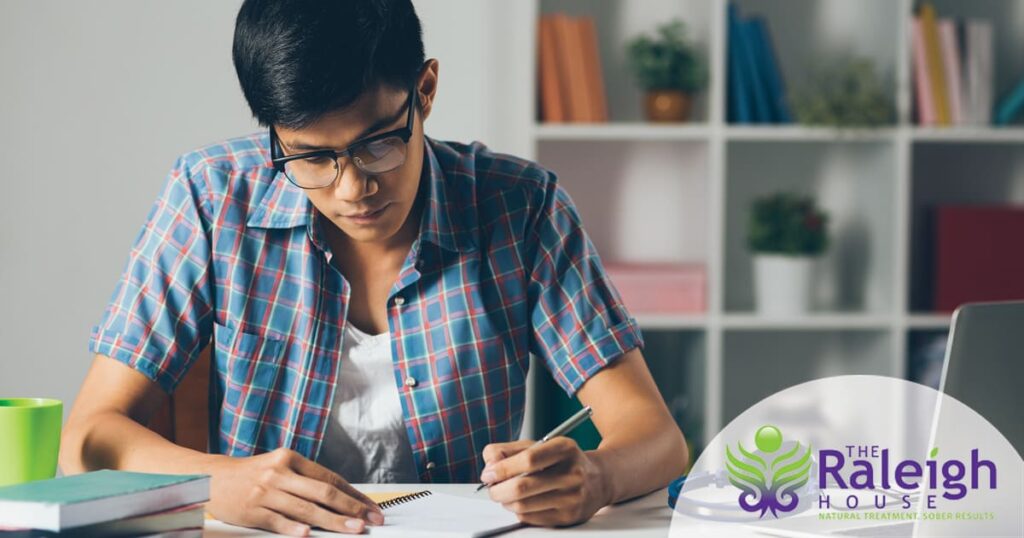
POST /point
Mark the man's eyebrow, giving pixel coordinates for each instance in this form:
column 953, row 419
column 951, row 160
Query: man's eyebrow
column 375, row 126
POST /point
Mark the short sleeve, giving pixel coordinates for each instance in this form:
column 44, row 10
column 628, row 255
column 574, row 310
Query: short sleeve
column 579, row 322
column 160, row 315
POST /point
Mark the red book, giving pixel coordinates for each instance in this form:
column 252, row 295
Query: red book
column 979, row 255
column 660, row 288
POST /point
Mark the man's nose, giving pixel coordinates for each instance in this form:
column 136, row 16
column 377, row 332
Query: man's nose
column 353, row 185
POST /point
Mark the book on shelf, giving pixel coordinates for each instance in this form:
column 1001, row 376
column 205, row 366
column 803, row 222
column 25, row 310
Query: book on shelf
column 967, row 269
column 660, row 288
column 102, row 497
column 570, row 80
column 980, row 70
column 756, row 91
column 922, row 87
column 933, row 57
column 952, row 69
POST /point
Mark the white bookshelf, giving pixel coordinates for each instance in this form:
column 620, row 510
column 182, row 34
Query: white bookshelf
column 680, row 193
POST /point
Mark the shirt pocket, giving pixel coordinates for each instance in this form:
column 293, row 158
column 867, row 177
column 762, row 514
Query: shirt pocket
column 250, row 365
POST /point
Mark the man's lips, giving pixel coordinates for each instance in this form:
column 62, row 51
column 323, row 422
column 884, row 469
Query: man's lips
column 368, row 213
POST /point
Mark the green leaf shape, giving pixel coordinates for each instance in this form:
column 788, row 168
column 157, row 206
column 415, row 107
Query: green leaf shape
column 935, row 452
column 752, row 456
column 793, row 472
column 740, row 470
column 784, row 457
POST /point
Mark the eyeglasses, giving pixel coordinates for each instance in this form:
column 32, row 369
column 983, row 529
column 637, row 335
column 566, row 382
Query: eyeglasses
column 372, row 155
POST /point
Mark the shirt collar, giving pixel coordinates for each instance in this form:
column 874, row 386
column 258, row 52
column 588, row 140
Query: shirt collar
column 449, row 216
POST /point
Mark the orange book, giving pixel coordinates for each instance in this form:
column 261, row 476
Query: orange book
column 936, row 70
column 595, row 78
column 570, row 68
column 552, row 109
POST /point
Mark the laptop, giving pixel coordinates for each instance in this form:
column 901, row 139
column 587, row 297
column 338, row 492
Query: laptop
column 984, row 369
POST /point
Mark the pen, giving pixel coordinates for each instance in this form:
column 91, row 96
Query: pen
column 570, row 424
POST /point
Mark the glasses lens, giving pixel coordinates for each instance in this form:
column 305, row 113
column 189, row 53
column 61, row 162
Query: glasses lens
column 312, row 172
column 380, row 156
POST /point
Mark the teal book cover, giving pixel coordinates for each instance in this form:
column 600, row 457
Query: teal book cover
column 90, row 486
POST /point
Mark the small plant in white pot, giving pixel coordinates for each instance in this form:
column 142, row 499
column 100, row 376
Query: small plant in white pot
column 787, row 234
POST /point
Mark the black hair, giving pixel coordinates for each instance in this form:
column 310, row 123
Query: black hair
column 297, row 60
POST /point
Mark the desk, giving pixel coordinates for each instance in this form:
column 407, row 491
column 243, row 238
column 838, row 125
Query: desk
column 645, row 517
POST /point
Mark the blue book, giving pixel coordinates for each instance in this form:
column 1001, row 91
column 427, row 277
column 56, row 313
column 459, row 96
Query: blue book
column 770, row 72
column 739, row 99
column 748, row 54
column 64, row 503
column 1010, row 107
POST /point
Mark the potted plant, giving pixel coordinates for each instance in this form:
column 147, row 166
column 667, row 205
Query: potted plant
column 845, row 92
column 787, row 233
column 670, row 69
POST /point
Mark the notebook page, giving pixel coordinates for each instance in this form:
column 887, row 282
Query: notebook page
column 440, row 514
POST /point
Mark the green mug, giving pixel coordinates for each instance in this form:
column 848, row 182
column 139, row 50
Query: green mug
column 29, row 439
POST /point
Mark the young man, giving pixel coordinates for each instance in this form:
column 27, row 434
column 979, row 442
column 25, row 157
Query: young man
column 372, row 297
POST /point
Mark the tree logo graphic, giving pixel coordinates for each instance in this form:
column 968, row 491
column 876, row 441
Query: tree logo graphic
column 770, row 476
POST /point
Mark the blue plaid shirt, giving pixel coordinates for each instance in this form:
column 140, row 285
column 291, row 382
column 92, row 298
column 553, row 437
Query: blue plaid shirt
column 232, row 253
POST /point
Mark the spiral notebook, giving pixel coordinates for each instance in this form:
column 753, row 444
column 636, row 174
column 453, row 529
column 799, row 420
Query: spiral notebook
column 426, row 513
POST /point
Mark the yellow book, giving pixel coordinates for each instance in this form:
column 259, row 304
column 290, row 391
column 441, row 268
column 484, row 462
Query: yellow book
column 936, row 70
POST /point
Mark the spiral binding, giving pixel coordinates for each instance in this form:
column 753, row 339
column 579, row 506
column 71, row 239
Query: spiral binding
column 403, row 499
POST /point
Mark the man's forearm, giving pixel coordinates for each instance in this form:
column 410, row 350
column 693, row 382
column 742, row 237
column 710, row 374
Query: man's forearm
column 111, row 440
column 645, row 459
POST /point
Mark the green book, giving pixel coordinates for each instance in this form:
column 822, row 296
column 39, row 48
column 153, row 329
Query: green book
column 85, row 499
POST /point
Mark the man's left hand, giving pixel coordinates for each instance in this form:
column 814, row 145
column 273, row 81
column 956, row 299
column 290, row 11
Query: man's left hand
column 564, row 486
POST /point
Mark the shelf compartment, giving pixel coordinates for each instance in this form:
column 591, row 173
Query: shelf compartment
column 854, row 183
column 968, row 174
column 640, row 202
column 617, row 23
column 759, row 363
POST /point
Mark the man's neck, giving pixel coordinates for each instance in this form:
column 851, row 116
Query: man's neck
column 360, row 252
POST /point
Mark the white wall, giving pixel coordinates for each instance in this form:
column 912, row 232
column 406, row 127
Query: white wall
column 97, row 99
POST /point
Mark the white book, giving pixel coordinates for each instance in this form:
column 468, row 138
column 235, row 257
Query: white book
column 979, row 71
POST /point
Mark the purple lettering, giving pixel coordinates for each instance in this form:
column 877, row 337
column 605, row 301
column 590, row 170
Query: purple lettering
column 976, row 464
column 824, row 469
column 907, row 469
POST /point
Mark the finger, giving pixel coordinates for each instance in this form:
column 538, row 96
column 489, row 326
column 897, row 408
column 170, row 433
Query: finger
column 324, row 494
column 559, row 499
column 312, row 514
column 499, row 451
column 523, row 487
column 533, row 460
column 310, row 469
column 276, row 523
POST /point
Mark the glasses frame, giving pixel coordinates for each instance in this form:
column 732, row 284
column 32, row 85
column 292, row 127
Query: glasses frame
column 279, row 160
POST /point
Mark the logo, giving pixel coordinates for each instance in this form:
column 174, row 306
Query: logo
column 770, row 476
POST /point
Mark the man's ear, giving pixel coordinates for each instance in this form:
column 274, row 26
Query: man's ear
column 428, row 87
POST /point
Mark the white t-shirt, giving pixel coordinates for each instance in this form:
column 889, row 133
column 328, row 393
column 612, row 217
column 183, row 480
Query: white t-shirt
column 366, row 440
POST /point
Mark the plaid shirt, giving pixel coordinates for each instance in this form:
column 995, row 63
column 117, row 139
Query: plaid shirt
column 501, row 269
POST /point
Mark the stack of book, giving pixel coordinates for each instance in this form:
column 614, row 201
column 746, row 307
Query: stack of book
column 953, row 74
column 570, row 84
column 757, row 93
column 105, row 503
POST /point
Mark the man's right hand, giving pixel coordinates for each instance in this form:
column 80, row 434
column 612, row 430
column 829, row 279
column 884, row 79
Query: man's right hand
column 283, row 492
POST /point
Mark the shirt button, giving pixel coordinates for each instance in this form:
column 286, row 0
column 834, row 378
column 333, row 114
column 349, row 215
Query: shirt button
column 430, row 465
column 411, row 381
column 399, row 300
